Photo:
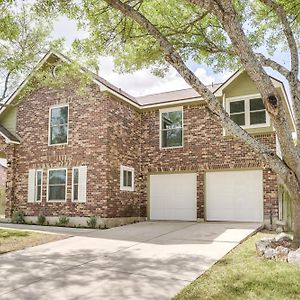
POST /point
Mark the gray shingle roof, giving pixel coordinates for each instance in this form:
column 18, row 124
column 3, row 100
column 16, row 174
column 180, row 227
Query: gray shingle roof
column 172, row 96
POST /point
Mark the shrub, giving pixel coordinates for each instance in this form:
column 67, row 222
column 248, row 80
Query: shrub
column 92, row 222
column 63, row 221
column 41, row 220
column 18, row 217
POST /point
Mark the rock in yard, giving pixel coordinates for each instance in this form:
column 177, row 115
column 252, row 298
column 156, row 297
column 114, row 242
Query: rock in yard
column 283, row 237
column 262, row 245
column 269, row 253
column 281, row 253
column 294, row 257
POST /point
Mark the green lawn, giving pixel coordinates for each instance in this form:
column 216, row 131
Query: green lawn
column 242, row 275
column 11, row 240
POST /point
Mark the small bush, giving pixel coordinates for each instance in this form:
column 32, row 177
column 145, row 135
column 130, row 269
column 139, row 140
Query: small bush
column 92, row 222
column 18, row 217
column 63, row 221
column 41, row 220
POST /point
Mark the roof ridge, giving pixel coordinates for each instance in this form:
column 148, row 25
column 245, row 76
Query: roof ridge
column 174, row 91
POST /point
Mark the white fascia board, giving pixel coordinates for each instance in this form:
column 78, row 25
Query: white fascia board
column 7, row 140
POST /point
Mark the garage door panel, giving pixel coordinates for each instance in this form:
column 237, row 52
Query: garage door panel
column 173, row 197
column 234, row 196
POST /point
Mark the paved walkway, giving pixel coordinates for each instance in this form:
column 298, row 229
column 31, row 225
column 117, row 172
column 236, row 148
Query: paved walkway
column 149, row 260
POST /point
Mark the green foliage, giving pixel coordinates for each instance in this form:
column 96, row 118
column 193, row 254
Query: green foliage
column 18, row 217
column 7, row 233
column 24, row 38
column 92, row 222
column 265, row 28
column 57, row 76
column 196, row 34
column 63, row 221
column 41, row 220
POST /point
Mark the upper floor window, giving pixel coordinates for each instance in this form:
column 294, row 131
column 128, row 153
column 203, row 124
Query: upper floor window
column 58, row 125
column 171, row 127
column 248, row 112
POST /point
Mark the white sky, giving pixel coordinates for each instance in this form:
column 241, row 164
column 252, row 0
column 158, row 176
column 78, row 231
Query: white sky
column 141, row 82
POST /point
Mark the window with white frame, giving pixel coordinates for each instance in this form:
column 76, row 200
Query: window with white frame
column 127, row 178
column 57, row 184
column 248, row 111
column 35, row 181
column 38, row 185
column 79, row 182
column 75, row 184
column 171, row 127
column 58, row 125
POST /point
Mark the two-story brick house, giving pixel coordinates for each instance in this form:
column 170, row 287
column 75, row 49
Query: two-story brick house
column 126, row 159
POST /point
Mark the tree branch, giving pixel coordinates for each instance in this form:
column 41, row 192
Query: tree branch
column 280, row 12
column 5, row 88
column 267, row 62
column 293, row 75
column 214, row 105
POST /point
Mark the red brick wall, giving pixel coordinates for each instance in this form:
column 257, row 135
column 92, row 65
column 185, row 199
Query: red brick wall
column 103, row 135
column 123, row 149
column 205, row 148
column 86, row 146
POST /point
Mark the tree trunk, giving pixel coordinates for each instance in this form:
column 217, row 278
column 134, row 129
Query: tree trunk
column 296, row 222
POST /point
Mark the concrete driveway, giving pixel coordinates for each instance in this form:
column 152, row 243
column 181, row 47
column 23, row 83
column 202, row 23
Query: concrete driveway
column 149, row 260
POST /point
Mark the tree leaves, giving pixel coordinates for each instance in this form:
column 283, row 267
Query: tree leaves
column 24, row 37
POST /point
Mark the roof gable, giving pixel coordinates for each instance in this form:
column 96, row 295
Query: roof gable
column 238, row 80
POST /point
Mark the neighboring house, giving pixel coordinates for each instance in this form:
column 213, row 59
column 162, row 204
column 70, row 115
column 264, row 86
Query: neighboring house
column 125, row 159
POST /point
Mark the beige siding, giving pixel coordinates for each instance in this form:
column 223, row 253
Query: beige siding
column 8, row 119
column 243, row 85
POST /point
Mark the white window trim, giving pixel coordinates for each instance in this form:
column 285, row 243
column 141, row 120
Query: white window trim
column 57, row 169
column 170, row 109
column 49, row 125
column 35, row 186
column 75, row 201
column 247, row 110
column 122, row 187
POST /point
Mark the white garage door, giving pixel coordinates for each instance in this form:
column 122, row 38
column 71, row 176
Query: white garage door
column 173, row 197
column 234, row 196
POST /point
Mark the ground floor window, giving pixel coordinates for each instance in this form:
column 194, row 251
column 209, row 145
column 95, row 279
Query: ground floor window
column 57, row 184
column 35, row 182
column 75, row 184
column 38, row 185
column 127, row 178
